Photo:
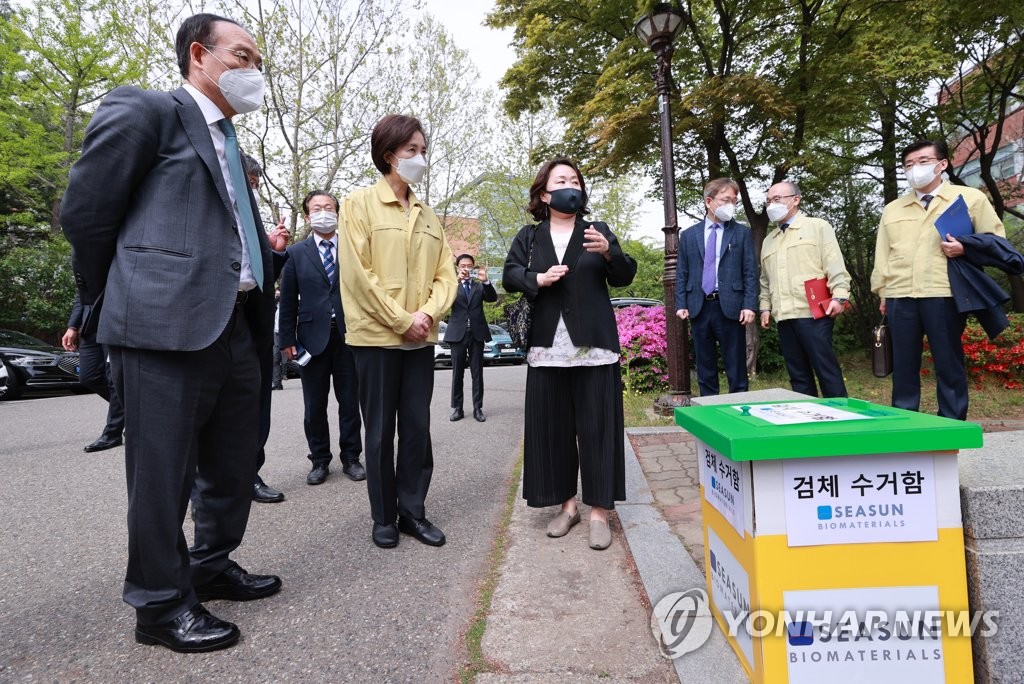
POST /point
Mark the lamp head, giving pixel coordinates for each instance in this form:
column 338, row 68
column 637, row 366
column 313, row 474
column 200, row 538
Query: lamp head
column 661, row 27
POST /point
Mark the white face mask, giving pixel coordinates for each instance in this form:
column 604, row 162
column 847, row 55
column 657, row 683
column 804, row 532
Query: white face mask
column 776, row 211
column 324, row 222
column 725, row 212
column 922, row 175
column 411, row 170
column 242, row 88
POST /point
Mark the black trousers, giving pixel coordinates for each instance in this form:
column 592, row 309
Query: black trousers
column 574, row 428
column 806, row 345
column 910, row 320
column 395, row 388
column 335, row 364
column 190, row 417
column 94, row 373
column 471, row 349
column 713, row 330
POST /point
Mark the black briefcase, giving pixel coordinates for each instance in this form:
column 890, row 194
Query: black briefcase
column 881, row 350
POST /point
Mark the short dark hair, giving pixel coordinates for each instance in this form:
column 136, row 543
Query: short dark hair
column 941, row 149
column 196, row 29
column 389, row 134
column 318, row 193
column 251, row 167
column 464, row 256
column 537, row 208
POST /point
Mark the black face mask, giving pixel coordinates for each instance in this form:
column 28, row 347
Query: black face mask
column 566, row 200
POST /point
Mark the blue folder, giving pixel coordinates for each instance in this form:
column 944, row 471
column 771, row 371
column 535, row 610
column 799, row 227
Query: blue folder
column 955, row 221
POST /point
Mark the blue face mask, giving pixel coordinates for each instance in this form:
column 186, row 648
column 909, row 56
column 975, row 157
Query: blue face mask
column 566, row 200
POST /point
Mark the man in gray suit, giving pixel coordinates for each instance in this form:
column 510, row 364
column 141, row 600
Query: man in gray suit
column 163, row 224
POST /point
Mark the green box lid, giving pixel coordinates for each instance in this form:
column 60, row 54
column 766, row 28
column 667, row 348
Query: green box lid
column 744, row 437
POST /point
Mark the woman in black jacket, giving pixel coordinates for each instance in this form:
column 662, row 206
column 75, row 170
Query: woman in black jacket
column 574, row 423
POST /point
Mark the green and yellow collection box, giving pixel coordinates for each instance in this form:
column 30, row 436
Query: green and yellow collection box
column 834, row 549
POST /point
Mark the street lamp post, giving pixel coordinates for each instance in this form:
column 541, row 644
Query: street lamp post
column 659, row 30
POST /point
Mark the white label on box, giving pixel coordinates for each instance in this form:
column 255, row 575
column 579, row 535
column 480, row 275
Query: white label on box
column 730, row 589
column 724, row 484
column 881, row 635
column 796, row 413
column 860, row 499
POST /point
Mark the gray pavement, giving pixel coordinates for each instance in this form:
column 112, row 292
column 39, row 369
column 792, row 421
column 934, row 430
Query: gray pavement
column 348, row 610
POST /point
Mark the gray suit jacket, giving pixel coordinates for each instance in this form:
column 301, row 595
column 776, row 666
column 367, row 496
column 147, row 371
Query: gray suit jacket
column 151, row 226
column 737, row 270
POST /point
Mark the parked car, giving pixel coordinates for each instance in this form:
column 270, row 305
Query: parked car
column 442, row 350
column 30, row 364
column 622, row 302
column 501, row 349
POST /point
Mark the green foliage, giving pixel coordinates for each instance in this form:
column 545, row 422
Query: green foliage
column 650, row 263
column 39, row 288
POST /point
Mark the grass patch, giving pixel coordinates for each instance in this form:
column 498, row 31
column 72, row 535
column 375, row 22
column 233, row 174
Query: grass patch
column 989, row 399
column 476, row 663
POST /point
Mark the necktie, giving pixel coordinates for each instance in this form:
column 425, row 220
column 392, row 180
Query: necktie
column 926, row 200
column 710, row 278
column 783, row 227
column 241, row 186
column 328, row 257
column 465, row 288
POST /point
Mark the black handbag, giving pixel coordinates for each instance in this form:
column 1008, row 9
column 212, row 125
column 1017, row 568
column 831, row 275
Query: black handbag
column 520, row 314
column 881, row 350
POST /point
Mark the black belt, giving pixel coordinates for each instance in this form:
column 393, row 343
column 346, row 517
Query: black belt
column 242, row 297
column 711, row 297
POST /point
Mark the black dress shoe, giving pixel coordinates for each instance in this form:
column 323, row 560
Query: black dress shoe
column 422, row 529
column 194, row 631
column 235, row 584
column 318, row 474
column 278, row 386
column 103, row 443
column 354, row 470
column 457, row 414
column 385, row 536
column 263, row 494
column 479, row 415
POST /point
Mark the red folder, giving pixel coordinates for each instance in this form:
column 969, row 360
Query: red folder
column 818, row 296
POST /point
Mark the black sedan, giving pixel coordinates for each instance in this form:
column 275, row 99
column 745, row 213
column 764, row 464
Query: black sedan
column 30, row 364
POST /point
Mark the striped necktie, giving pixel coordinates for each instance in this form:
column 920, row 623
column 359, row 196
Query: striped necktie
column 926, row 200
column 241, row 187
column 328, row 256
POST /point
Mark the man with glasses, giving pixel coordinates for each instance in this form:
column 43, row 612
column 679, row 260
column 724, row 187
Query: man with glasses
column 802, row 249
column 910, row 277
column 162, row 222
column 716, row 287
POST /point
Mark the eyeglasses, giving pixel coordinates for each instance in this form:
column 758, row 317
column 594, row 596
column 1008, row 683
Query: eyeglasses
column 776, row 198
column 244, row 58
column 919, row 162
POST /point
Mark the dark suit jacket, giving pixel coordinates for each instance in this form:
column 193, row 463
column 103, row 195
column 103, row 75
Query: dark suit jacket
column 307, row 299
column 973, row 290
column 737, row 270
column 473, row 311
column 151, row 227
column 581, row 296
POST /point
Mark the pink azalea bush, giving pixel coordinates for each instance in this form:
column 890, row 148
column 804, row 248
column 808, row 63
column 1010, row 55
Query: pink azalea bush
column 642, row 338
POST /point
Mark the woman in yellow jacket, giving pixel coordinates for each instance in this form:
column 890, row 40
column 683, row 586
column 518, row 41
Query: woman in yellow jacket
column 396, row 282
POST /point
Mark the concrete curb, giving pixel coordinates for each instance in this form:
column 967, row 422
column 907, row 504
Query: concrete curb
column 665, row 566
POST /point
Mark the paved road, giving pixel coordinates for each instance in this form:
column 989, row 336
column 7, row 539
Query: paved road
column 348, row 610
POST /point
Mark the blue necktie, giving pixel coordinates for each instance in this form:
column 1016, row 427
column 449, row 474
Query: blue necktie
column 926, row 200
column 465, row 287
column 328, row 255
column 710, row 275
column 241, row 186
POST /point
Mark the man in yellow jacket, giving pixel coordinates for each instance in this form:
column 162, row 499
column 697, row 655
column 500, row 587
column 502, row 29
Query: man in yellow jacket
column 802, row 249
column 910, row 277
